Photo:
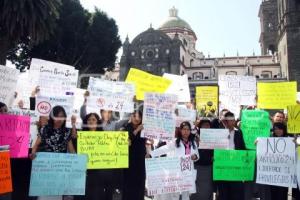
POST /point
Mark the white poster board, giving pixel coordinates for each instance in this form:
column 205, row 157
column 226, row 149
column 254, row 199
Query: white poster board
column 110, row 95
column 214, row 139
column 276, row 162
column 169, row 175
column 185, row 114
column 179, row 87
column 159, row 117
column 236, row 90
column 8, row 84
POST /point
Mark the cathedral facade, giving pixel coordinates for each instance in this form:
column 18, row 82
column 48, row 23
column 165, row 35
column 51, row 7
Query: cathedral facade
column 172, row 49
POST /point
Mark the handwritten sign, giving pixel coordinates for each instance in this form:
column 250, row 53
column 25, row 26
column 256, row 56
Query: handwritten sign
column 276, row 95
column 34, row 118
column 8, row 80
column 58, row 174
column 105, row 149
column 145, row 82
column 14, row 131
column 255, row 123
column 276, row 162
column 233, row 165
column 5, row 173
column 184, row 114
column 159, row 117
column 179, row 87
column 236, row 91
column 207, row 100
column 293, row 123
column 44, row 104
column 169, row 175
column 54, row 79
column 110, row 95
column 78, row 102
column 298, row 166
column 214, row 139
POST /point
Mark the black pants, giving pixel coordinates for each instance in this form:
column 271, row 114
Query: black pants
column 230, row 190
column 134, row 184
column 279, row 193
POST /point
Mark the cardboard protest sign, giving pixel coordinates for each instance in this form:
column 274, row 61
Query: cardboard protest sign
column 233, row 165
column 255, row 123
column 179, row 87
column 58, row 174
column 207, row 100
column 110, row 95
column 159, row 117
column 5, row 173
column 236, row 91
column 214, row 139
column 145, row 82
column 169, row 175
column 276, row 162
column 44, row 104
column 184, row 114
column 276, row 95
column 105, row 149
column 34, row 118
column 77, row 103
column 14, row 131
column 54, row 79
column 23, row 89
column 8, row 84
column 293, row 123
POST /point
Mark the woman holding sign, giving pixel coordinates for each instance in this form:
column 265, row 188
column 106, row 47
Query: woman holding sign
column 135, row 175
column 183, row 145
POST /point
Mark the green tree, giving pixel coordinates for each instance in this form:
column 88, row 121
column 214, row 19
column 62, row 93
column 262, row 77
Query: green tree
column 25, row 19
column 88, row 41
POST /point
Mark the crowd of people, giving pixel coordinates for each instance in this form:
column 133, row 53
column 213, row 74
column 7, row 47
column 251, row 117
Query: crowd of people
column 103, row 184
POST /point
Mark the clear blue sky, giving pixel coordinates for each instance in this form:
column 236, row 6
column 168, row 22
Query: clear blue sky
column 222, row 26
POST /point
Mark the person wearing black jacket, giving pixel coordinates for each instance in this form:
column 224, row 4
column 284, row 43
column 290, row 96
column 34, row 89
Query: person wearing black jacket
column 232, row 190
column 204, row 180
column 135, row 175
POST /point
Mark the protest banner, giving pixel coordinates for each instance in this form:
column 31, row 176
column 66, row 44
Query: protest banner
column 159, row 117
column 77, row 103
column 236, row 91
column 105, row 149
column 44, row 104
column 207, row 100
column 145, row 82
column 298, row 96
column 293, row 123
column 58, row 174
column 233, row 165
column 255, row 123
column 34, row 118
column 8, row 80
column 5, row 173
column 23, row 89
column 14, row 131
column 110, row 95
column 276, row 162
column 185, row 114
column 169, row 175
column 276, row 95
column 54, row 79
column 179, row 87
column 214, row 139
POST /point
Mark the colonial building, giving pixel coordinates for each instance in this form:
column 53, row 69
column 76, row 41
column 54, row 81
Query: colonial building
column 172, row 49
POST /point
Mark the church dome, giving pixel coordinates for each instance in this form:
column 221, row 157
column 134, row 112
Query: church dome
column 174, row 21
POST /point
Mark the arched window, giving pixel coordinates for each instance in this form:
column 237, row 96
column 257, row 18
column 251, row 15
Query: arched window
column 197, row 76
column 231, row 73
column 266, row 74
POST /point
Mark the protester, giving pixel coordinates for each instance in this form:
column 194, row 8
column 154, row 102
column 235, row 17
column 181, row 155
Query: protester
column 3, row 108
column 279, row 117
column 135, row 175
column 232, row 190
column 204, row 181
column 218, row 123
column 183, row 145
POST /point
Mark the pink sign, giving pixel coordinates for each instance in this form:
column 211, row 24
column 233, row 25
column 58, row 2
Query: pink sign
column 14, row 131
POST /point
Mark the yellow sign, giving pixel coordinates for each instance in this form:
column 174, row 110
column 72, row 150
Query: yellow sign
column 293, row 123
column 145, row 82
column 207, row 100
column 276, row 95
column 105, row 149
